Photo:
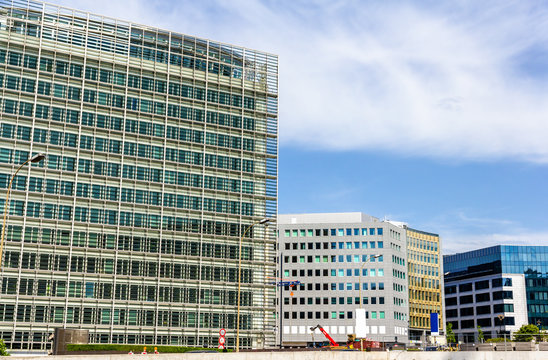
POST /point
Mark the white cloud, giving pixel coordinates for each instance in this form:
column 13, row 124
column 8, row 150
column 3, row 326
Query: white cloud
column 450, row 81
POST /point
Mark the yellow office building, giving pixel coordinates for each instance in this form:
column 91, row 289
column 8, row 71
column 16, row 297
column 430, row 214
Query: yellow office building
column 425, row 276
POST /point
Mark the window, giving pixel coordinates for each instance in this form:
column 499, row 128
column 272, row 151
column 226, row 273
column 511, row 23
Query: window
column 480, row 285
column 484, row 322
column 499, row 295
column 503, row 308
column 465, row 287
column 480, row 310
column 468, row 299
column 469, row 311
column 451, row 301
column 467, row 324
column 483, row 297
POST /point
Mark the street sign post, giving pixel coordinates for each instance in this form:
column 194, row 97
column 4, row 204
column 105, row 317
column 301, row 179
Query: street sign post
column 222, row 339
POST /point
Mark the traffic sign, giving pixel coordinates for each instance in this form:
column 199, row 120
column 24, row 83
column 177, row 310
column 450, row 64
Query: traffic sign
column 221, row 346
column 222, row 340
column 222, row 332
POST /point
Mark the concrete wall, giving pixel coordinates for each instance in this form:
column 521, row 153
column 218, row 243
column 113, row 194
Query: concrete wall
column 318, row 355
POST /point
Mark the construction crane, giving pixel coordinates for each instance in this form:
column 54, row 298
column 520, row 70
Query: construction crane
column 284, row 282
column 333, row 342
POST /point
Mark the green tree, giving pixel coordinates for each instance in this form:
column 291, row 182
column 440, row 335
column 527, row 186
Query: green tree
column 449, row 334
column 526, row 332
column 3, row 348
column 481, row 337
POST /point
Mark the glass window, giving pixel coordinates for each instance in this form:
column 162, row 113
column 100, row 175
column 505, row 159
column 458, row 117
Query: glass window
column 364, row 244
column 381, row 315
column 340, row 232
column 371, row 231
column 373, row 314
column 364, row 232
column 287, row 233
column 380, row 244
column 372, row 272
column 372, row 244
column 379, row 231
column 356, row 244
column 349, row 245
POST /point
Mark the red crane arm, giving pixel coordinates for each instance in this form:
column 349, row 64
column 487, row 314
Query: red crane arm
column 333, row 342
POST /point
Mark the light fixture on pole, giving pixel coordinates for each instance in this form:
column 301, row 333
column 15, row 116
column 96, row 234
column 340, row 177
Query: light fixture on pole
column 260, row 222
column 36, row 158
column 361, row 299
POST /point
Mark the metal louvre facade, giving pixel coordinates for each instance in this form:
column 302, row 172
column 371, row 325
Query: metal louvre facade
column 161, row 149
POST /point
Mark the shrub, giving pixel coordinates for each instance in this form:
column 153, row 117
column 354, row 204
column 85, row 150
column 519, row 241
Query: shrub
column 3, row 349
column 162, row 349
column 526, row 332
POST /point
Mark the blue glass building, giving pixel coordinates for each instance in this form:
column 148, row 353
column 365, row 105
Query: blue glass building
column 488, row 275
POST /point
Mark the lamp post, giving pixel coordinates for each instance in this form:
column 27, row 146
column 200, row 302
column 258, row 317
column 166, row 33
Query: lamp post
column 263, row 221
column 36, row 158
column 361, row 298
column 501, row 318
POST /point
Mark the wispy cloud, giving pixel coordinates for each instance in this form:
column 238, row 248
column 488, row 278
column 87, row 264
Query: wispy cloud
column 459, row 80
column 467, row 242
column 462, row 231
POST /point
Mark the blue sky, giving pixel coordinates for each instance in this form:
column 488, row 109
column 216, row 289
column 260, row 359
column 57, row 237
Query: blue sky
column 433, row 113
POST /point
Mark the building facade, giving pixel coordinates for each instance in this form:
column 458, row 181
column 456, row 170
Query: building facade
column 332, row 256
column 424, row 268
column 161, row 149
column 498, row 288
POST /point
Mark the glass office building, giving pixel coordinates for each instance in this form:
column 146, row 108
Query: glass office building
column 161, row 149
column 498, row 288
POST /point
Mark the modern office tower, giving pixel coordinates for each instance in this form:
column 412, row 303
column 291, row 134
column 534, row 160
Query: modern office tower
column 161, row 149
column 499, row 288
column 331, row 255
column 424, row 267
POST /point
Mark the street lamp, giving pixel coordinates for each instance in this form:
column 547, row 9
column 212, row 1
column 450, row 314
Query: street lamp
column 261, row 222
column 361, row 298
column 36, row 158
